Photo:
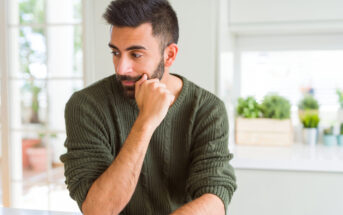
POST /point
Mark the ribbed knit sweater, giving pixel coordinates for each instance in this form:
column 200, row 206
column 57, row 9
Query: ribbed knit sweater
column 187, row 155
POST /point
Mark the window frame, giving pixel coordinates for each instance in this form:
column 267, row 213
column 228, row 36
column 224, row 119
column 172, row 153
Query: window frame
column 279, row 42
column 86, row 24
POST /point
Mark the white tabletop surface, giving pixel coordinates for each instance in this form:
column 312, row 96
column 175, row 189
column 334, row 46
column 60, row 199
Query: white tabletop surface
column 12, row 211
column 298, row 157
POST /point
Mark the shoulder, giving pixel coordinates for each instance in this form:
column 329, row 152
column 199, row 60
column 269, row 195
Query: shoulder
column 201, row 98
column 97, row 93
column 210, row 119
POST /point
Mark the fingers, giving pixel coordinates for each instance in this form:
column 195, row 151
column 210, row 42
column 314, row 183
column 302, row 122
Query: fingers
column 143, row 78
column 144, row 85
column 139, row 82
column 151, row 83
column 171, row 99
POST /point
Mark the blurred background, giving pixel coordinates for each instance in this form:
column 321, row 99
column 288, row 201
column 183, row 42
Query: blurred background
column 277, row 65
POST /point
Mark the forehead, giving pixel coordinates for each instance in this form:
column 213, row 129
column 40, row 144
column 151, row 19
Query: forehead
column 123, row 37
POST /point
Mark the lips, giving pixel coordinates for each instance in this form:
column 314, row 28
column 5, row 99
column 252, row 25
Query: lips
column 128, row 83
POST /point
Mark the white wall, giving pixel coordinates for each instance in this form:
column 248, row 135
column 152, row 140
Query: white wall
column 97, row 35
column 267, row 11
column 197, row 45
column 291, row 16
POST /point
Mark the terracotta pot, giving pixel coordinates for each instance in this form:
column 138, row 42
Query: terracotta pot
column 27, row 143
column 38, row 158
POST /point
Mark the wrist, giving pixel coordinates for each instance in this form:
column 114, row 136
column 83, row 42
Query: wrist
column 145, row 125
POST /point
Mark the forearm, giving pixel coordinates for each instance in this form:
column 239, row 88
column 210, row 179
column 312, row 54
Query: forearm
column 111, row 192
column 206, row 204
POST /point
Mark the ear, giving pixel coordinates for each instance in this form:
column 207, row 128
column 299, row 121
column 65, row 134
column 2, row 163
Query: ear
column 170, row 54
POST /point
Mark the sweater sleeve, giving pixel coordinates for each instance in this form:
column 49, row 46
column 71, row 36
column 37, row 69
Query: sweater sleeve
column 210, row 171
column 88, row 150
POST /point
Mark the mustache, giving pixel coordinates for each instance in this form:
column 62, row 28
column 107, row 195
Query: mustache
column 128, row 78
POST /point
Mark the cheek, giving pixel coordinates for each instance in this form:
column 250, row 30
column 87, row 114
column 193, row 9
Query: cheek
column 144, row 66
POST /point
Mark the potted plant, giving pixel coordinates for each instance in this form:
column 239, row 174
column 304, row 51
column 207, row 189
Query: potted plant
column 27, row 143
column 265, row 124
column 307, row 105
column 340, row 136
column 340, row 100
column 30, row 104
column 329, row 137
column 38, row 155
column 30, row 115
column 248, row 108
column 31, row 87
column 310, row 122
column 275, row 107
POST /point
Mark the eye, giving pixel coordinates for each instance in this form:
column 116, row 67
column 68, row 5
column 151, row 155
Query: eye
column 136, row 55
column 115, row 53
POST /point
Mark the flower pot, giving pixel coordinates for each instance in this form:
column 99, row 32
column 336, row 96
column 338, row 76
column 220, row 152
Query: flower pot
column 26, row 144
column 330, row 140
column 310, row 136
column 38, row 159
column 340, row 140
column 264, row 132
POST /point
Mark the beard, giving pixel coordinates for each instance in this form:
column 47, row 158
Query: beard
column 129, row 91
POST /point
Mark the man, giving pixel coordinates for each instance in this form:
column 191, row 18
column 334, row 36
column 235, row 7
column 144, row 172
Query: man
column 145, row 141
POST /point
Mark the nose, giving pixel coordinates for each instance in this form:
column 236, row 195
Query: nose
column 124, row 66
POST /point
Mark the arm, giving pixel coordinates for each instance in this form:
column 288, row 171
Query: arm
column 207, row 204
column 94, row 183
column 210, row 171
column 153, row 100
column 122, row 175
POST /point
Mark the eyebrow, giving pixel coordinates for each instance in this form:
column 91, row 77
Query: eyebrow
column 134, row 47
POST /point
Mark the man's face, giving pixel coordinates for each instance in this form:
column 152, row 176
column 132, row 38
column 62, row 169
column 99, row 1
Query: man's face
column 135, row 52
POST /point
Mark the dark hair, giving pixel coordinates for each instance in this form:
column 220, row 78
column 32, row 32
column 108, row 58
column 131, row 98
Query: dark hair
column 132, row 13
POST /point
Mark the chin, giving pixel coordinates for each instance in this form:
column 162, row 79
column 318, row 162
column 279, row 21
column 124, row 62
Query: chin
column 130, row 94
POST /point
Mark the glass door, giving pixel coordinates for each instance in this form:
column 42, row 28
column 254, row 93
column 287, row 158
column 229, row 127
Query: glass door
column 45, row 68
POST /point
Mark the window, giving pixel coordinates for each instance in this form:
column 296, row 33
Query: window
column 0, row 130
column 290, row 65
column 290, row 73
column 45, row 67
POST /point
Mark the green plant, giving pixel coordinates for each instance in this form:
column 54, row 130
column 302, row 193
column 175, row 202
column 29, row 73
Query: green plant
column 248, row 108
column 340, row 97
column 275, row 107
column 31, row 11
column 34, row 90
column 341, row 130
column 310, row 120
column 308, row 103
column 328, row 131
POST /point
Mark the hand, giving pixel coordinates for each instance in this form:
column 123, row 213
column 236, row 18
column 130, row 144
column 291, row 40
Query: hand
column 153, row 100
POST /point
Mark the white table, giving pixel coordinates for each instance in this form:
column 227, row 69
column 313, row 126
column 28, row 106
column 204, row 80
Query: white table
column 12, row 211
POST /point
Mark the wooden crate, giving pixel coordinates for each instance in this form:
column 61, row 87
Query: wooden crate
column 264, row 132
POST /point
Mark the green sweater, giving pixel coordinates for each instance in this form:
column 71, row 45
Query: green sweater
column 187, row 156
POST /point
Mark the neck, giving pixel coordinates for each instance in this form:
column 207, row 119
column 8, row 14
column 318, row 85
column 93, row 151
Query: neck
column 173, row 83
